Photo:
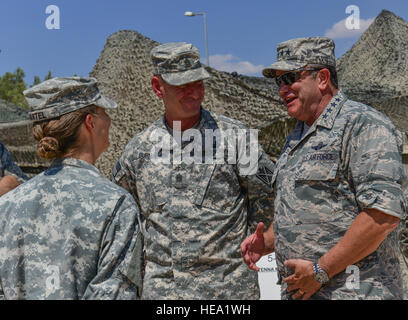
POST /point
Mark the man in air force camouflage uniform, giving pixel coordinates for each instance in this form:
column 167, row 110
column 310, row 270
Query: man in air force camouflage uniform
column 196, row 215
column 10, row 174
column 337, row 184
column 68, row 233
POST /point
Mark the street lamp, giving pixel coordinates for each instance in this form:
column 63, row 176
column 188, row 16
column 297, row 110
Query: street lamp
column 192, row 14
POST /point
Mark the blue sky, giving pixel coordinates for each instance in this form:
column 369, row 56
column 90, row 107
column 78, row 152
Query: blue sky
column 242, row 35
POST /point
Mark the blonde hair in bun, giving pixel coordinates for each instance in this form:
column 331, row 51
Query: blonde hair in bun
column 57, row 138
column 48, row 148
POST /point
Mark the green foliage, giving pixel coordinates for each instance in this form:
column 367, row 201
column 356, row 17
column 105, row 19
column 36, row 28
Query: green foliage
column 37, row 80
column 48, row 76
column 12, row 86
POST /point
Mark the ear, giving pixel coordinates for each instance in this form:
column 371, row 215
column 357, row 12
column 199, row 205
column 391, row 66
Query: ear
column 157, row 87
column 324, row 79
column 89, row 122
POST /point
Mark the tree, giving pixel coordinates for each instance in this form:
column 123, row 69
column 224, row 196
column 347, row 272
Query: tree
column 48, row 76
column 37, row 80
column 12, row 86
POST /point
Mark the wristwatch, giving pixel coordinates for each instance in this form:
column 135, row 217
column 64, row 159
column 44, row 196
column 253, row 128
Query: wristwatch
column 319, row 274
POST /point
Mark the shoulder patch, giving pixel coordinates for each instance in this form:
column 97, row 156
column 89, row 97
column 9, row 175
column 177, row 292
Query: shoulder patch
column 265, row 175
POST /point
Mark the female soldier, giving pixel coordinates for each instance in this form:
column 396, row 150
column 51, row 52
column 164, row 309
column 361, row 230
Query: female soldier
column 69, row 233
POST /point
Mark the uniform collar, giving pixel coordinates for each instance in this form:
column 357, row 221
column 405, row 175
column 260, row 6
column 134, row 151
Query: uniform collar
column 325, row 120
column 329, row 113
column 73, row 162
column 206, row 121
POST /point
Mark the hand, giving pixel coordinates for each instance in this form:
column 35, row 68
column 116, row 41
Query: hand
column 7, row 183
column 302, row 279
column 252, row 248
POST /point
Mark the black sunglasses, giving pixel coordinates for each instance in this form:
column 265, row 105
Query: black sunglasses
column 291, row 77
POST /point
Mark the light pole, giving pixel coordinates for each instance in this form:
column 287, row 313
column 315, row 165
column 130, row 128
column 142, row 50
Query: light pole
column 192, row 14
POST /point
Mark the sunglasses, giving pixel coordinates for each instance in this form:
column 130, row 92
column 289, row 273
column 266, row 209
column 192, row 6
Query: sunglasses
column 291, row 77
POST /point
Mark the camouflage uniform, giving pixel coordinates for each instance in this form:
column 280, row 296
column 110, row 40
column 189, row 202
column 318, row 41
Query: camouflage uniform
column 8, row 167
column 403, row 251
column 348, row 160
column 403, row 238
column 196, row 213
column 68, row 233
column 403, row 258
column 196, row 217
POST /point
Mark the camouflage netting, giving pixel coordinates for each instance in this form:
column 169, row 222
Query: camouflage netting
column 373, row 71
column 378, row 61
column 9, row 112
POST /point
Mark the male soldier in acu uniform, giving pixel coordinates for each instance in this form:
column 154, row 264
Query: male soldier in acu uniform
column 196, row 214
column 10, row 174
column 337, row 184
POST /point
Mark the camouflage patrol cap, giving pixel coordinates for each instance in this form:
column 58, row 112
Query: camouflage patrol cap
column 298, row 53
column 58, row 96
column 178, row 63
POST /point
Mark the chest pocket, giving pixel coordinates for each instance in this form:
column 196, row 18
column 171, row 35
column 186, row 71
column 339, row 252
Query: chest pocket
column 316, row 184
column 321, row 171
column 219, row 188
column 151, row 184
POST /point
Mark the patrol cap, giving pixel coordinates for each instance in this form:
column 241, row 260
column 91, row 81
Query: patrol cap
column 178, row 63
column 298, row 53
column 58, row 96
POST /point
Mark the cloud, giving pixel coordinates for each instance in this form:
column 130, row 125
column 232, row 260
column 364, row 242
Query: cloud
column 339, row 29
column 230, row 63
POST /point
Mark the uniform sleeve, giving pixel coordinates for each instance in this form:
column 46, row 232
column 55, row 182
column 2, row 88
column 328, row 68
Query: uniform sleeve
column 8, row 167
column 256, row 174
column 403, row 228
column 119, row 267
column 376, row 168
column 123, row 176
column 1, row 292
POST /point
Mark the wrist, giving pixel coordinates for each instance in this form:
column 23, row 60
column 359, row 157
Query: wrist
column 320, row 274
column 323, row 265
column 269, row 245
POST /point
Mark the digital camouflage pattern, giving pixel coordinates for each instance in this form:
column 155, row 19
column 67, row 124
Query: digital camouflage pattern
column 403, row 250
column 69, row 233
column 348, row 160
column 403, row 258
column 298, row 53
column 58, row 96
column 178, row 63
column 195, row 217
column 8, row 167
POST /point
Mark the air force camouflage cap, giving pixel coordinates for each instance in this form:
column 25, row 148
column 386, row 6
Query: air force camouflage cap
column 298, row 53
column 178, row 63
column 58, row 96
